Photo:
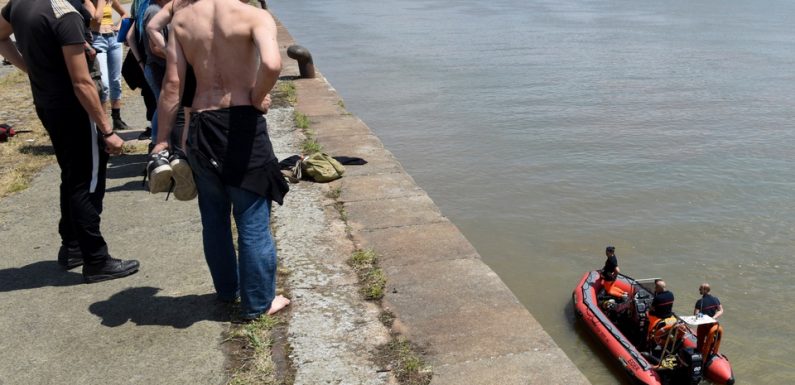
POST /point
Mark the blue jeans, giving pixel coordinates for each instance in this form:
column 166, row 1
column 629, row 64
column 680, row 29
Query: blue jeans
column 151, row 75
column 109, row 55
column 252, row 272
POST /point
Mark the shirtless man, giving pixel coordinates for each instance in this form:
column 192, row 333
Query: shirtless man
column 233, row 50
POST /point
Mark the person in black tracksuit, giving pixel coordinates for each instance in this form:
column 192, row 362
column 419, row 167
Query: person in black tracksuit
column 51, row 39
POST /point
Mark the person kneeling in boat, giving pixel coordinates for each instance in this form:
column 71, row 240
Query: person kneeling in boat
column 610, row 272
column 661, row 315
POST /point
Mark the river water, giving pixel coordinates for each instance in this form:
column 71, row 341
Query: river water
column 547, row 130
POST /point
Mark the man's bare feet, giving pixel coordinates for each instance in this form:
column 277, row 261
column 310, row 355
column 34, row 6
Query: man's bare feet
column 279, row 303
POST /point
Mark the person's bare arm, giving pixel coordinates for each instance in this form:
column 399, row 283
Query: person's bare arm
column 86, row 92
column 134, row 47
column 120, row 9
column 155, row 29
column 7, row 48
column 176, row 65
column 719, row 312
column 95, row 9
column 264, row 34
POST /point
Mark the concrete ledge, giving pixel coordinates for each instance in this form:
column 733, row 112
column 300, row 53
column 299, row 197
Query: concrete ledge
column 381, row 214
column 376, row 187
column 408, row 245
column 534, row 367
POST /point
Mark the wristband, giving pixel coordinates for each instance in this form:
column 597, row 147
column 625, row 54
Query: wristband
column 104, row 135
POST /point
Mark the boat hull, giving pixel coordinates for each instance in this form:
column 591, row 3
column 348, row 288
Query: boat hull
column 716, row 367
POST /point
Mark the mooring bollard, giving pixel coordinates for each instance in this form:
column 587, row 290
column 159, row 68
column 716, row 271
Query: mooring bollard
column 304, row 59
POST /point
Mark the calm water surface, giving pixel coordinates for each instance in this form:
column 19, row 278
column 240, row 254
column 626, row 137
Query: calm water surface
column 548, row 129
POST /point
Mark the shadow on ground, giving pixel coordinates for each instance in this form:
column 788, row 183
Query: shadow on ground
column 37, row 275
column 125, row 167
column 142, row 306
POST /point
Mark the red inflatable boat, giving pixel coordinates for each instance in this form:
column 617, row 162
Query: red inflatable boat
column 672, row 352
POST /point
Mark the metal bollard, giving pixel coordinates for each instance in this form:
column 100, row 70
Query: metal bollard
column 304, row 59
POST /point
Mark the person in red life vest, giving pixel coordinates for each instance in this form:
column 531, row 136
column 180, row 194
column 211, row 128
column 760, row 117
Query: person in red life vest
column 708, row 304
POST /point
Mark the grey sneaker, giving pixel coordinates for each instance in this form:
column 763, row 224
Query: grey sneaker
column 184, row 186
column 160, row 172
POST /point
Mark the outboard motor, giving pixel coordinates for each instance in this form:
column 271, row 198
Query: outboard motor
column 691, row 364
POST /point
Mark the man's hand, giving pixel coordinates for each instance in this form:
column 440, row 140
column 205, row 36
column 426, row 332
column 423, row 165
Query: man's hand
column 113, row 144
column 159, row 147
column 91, row 53
column 262, row 105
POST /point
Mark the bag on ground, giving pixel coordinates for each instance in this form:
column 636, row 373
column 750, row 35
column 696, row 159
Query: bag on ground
column 321, row 167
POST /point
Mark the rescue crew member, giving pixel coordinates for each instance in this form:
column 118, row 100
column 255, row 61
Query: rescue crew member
column 661, row 312
column 663, row 304
column 610, row 272
column 708, row 304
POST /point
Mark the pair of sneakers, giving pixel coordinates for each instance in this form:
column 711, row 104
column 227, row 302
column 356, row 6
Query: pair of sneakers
column 171, row 172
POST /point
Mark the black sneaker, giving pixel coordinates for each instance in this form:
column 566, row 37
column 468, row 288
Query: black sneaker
column 184, row 188
column 147, row 134
column 111, row 268
column 159, row 171
column 70, row 257
column 119, row 124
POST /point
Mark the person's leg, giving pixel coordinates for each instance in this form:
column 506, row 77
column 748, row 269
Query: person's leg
column 219, row 251
column 257, row 253
column 151, row 104
column 77, row 141
column 100, row 45
column 69, row 255
column 115, row 53
column 154, row 85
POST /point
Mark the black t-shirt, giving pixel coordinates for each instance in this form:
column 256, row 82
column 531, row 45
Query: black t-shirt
column 610, row 264
column 663, row 304
column 42, row 28
column 708, row 305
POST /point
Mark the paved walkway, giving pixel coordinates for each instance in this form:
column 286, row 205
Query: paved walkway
column 162, row 325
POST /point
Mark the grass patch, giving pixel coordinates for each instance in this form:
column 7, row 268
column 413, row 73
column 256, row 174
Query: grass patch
column 254, row 352
column 134, row 148
column 301, row 120
column 371, row 277
column 334, row 193
column 310, row 146
column 408, row 367
column 341, row 103
column 285, row 94
column 387, row 318
column 25, row 154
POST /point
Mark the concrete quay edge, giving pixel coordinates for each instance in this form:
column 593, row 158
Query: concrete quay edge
column 471, row 327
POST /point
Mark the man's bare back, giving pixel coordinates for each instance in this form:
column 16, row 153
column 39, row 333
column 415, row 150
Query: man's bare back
column 233, row 50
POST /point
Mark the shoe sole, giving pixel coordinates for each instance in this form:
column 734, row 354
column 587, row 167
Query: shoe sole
column 160, row 179
column 185, row 187
column 108, row 277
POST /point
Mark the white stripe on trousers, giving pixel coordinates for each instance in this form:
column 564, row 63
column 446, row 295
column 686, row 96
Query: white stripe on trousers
column 94, row 158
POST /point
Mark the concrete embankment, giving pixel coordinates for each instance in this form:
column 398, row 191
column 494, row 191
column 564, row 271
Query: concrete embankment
column 469, row 325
